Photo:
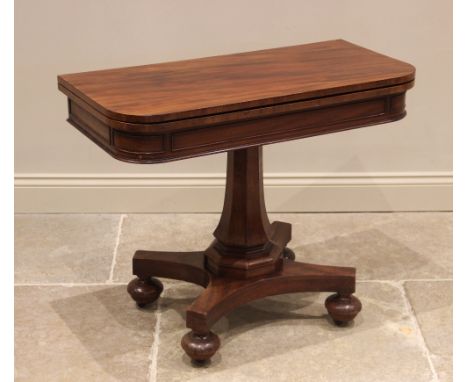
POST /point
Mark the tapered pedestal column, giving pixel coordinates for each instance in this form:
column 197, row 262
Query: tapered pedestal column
column 247, row 260
column 246, row 244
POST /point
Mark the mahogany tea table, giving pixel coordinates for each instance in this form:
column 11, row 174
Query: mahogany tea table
column 237, row 103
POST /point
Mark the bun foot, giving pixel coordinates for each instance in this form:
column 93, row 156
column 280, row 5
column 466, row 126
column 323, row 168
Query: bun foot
column 288, row 254
column 342, row 308
column 145, row 291
column 200, row 347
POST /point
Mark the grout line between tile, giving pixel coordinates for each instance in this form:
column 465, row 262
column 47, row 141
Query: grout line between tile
column 423, row 344
column 116, row 247
column 72, row 284
column 391, row 282
column 153, row 367
column 403, row 280
column 69, row 284
column 423, row 280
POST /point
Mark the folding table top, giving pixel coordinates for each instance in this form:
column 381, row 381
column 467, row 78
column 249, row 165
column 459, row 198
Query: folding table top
column 167, row 98
column 184, row 89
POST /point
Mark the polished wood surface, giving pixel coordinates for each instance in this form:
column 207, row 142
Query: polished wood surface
column 200, row 87
column 164, row 112
column 247, row 260
column 224, row 294
column 246, row 244
column 237, row 103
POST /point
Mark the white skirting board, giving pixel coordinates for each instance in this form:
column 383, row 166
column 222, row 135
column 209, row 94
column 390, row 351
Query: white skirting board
column 284, row 192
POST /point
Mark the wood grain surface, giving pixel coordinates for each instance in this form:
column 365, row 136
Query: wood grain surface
column 171, row 111
column 206, row 86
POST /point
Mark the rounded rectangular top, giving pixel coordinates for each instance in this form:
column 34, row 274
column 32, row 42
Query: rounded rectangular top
column 206, row 86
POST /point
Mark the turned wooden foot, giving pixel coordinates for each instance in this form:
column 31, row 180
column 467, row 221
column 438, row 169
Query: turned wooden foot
column 145, row 291
column 200, row 347
column 342, row 308
column 288, row 254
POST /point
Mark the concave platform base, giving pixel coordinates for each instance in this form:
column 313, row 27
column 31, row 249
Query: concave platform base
column 248, row 260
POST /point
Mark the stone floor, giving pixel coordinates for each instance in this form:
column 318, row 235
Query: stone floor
column 75, row 322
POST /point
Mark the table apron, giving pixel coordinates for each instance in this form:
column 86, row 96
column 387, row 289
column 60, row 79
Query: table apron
column 169, row 145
